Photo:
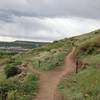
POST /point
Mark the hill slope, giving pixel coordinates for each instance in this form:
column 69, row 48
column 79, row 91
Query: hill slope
column 49, row 58
column 86, row 84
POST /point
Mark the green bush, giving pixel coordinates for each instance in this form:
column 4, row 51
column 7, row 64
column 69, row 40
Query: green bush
column 49, row 61
column 14, row 89
column 11, row 70
column 30, row 84
column 89, row 46
column 6, row 86
column 7, row 54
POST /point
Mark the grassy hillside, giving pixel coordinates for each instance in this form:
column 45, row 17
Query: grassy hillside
column 16, row 81
column 47, row 57
column 86, row 84
column 21, row 83
column 83, row 86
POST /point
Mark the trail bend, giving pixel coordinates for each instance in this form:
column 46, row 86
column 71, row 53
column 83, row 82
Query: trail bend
column 50, row 80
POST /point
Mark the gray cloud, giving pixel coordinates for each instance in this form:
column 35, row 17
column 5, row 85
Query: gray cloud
column 47, row 20
column 47, row 29
column 52, row 8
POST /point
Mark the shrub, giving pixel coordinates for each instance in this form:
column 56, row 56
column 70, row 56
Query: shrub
column 7, row 54
column 6, row 86
column 30, row 84
column 14, row 89
column 11, row 70
column 49, row 61
column 90, row 46
column 96, row 32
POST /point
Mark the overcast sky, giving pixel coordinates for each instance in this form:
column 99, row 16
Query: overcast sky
column 47, row 20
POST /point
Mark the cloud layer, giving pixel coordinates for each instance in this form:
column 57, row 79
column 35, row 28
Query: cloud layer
column 48, row 20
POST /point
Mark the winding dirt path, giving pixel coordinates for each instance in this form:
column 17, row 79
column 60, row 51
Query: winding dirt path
column 49, row 80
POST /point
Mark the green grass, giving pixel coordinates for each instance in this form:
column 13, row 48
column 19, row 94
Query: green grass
column 23, row 88
column 2, row 74
column 93, row 60
column 48, row 61
column 20, row 90
column 6, row 54
column 50, row 56
column 86, row 84
column 83, row 86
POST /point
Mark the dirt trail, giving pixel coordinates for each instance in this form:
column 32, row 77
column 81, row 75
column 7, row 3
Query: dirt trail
column 49, row 80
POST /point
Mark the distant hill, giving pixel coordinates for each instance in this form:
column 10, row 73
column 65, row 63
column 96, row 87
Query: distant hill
column 20, row 45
